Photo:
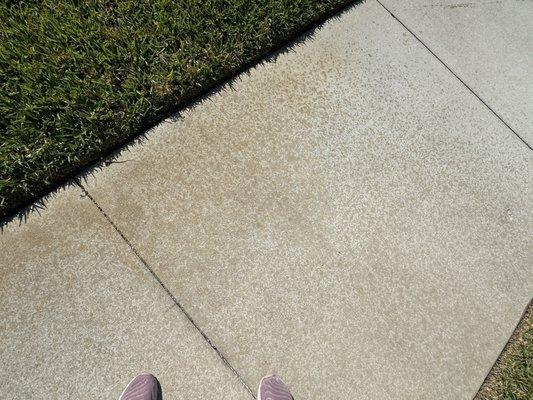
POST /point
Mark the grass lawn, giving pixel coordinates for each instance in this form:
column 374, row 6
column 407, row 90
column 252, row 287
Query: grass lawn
column 512, row 376
column 78, row 78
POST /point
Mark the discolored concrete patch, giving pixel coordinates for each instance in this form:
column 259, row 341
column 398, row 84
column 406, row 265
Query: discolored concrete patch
column 487, row 43
column 80, row 316
column 349, row 216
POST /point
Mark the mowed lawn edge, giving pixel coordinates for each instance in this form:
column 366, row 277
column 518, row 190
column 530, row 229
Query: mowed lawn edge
column 79, row 79
column 511, row 377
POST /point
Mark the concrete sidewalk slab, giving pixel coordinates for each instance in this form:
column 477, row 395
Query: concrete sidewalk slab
column 489, row 44
column 81, row 316
column 349, row 216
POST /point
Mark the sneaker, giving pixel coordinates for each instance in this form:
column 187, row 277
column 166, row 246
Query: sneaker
column 272, row 388
column 142, row 387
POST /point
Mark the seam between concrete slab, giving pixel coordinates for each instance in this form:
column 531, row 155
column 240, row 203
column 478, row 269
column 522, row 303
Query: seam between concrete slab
column 454, row 74
column 511, row 129
column 166, row 289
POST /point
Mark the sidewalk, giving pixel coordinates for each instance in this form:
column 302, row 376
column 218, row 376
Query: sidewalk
column 353, row 214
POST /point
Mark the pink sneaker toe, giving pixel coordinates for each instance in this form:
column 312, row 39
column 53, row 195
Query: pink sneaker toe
column 142, row 387
column 273, row 388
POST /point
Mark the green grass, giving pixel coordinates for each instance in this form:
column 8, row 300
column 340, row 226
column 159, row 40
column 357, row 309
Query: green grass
column 512, row 376
column 78, row 78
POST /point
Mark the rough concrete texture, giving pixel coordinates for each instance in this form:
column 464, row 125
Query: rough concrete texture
column 489, row 44
column 348, row 215
column 80, row 316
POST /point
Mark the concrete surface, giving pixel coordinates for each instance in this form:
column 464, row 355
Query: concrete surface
column 80, row 316
column 349, row 216
column 488, row 43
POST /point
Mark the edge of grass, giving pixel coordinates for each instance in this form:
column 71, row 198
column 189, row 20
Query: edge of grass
column 24, row 206
column 511, row 377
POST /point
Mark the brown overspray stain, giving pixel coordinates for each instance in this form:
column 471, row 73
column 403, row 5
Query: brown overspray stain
column 463, row 5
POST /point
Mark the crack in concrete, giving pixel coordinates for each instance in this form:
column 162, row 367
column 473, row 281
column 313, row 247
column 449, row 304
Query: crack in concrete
column 507, row 125
column 455, row 74
column 166, row 289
